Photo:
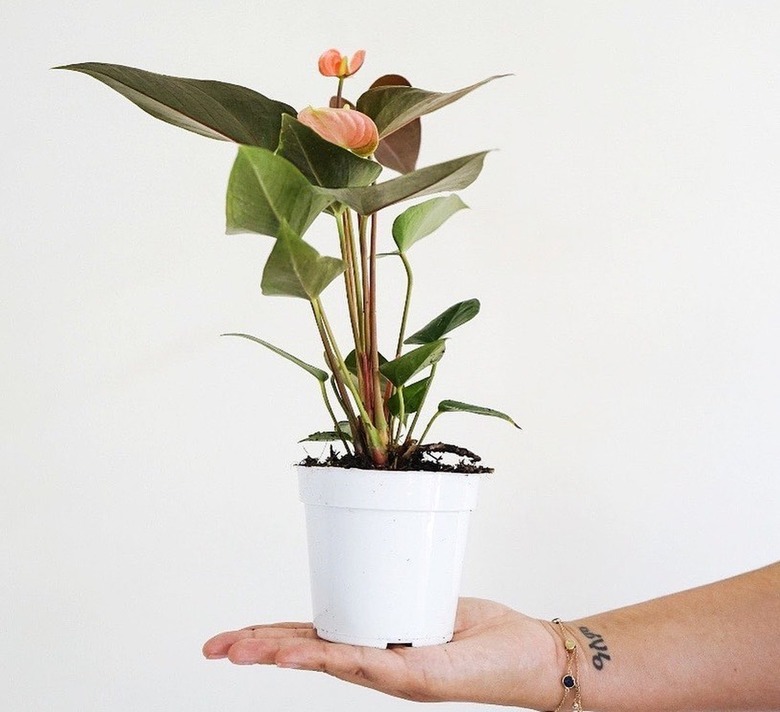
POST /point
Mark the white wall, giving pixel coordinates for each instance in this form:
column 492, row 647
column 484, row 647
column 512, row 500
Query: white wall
column 624, row 242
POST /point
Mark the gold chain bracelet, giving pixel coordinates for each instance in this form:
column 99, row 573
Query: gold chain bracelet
column 571, row 679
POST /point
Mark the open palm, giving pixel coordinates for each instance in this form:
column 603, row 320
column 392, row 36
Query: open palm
column 497, row 655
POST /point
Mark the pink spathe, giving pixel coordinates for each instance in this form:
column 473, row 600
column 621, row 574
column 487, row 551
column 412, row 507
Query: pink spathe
column 347, row 128
column 334, row 64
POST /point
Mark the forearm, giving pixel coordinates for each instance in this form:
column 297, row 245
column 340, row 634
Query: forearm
column 716, row 647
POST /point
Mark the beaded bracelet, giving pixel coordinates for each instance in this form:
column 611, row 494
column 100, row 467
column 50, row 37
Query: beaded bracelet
column 570, row 680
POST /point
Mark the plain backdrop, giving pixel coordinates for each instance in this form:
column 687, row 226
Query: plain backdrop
column 624, row 240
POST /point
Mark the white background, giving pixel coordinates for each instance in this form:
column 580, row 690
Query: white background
column 625, row 244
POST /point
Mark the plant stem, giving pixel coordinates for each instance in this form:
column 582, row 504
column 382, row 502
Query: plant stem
column 402, row 330
column 350, row 233
column 363, row 368
column 401, row 413
column 367, row 361
column 407, row 302
column 346, row 377
column 419, row 409
column 338, row 92
column 379, row 405
column 330, row 357
column 427, row 428
column 364, row 270
column 333, row 416
column 349, row 281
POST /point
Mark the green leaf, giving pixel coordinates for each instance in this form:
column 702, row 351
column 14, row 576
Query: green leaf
column 414, row 394
column 318, row 373
column 295, row 269
column 326, row 436
column 421, row 220
column 267, row 194
column 392, row 107
column 451, row 406
column 400, row 370
column 401, row 148
column 441, row 177
column 322, row 162
column 448, row 320
column 350, row 361
column 215, row 109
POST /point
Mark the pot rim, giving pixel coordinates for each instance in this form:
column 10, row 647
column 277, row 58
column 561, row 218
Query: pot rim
column 300, row 467
column 393, row 490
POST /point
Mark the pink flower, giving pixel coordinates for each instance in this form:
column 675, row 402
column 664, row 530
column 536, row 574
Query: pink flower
column 347, row 128
column 333, row 64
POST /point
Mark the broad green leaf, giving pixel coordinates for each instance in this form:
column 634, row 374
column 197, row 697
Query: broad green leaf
column 318, row 373
column 326, row 436
column 350, row 361
column 448, row 320
column 322, row 162
column 441, row 177
column 295, row 269
column 421, row 220
column 451, row 406
column 400, row 370
column 268, row 194
column 215, row 109
column 401, row 148
column 414, row 394
column 392, row 107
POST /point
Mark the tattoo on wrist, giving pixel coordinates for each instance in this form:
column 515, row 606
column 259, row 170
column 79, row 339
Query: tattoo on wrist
column 598, row 645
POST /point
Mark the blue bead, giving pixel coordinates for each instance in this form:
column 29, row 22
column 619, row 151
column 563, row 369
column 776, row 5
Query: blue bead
column 569, row 682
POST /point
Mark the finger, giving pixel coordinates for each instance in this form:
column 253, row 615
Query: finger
column 286, row 624
column 403, row 672
column 218, row 646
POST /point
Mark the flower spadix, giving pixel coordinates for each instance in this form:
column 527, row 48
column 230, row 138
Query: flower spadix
column 334, row 64
column 345, row 127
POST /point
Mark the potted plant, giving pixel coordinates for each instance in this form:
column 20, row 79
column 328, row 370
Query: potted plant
column 386, row 516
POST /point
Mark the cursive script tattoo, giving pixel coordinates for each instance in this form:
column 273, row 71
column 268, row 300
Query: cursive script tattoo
column 598, row 645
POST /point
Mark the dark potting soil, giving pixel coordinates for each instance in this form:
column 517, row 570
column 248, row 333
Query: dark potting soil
column 432, row 457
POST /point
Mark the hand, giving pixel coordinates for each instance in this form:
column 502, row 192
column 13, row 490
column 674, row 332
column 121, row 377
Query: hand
column 497, row 655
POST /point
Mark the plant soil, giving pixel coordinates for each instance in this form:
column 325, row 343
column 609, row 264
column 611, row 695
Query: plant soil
column 430, row 457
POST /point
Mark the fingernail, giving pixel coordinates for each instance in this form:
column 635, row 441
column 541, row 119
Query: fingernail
column 215, row 656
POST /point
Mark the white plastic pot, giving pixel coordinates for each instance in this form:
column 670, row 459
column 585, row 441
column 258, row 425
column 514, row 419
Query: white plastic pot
column 386, row 552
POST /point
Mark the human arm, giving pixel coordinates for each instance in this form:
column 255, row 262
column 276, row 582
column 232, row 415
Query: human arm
column 716, row 647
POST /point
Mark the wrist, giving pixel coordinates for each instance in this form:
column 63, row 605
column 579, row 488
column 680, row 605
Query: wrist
column 551, row 671
column 571, row 683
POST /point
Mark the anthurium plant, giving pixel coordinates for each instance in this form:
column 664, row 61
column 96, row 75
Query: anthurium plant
column 292, row 168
